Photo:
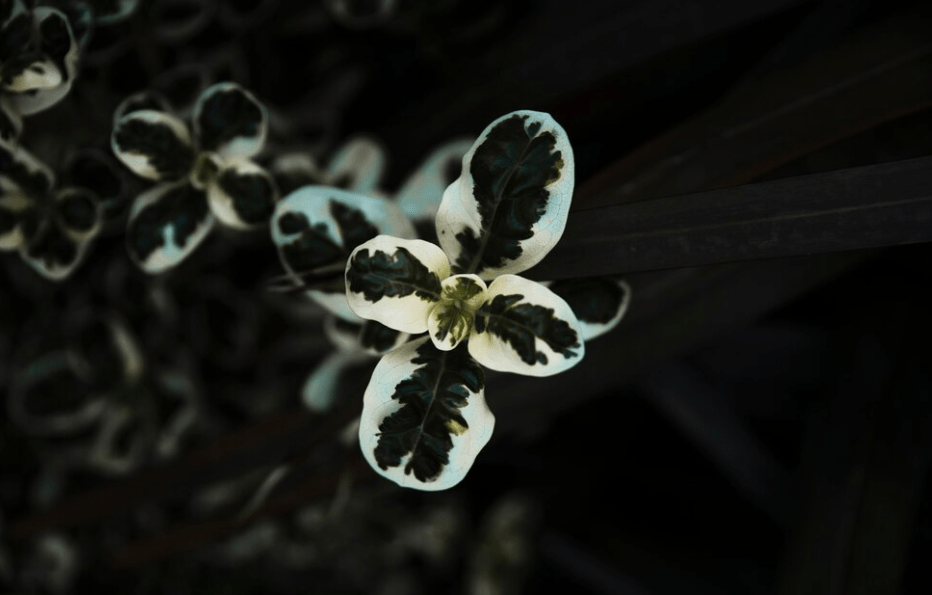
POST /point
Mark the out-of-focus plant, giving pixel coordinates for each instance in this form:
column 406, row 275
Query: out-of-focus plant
column 51, row 228
column 202, row 177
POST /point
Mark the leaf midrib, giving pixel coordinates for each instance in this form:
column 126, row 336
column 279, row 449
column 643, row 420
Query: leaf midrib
column 487, row 233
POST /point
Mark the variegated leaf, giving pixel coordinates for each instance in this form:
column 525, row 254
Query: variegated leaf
column 166, row 224
column 424, row 417
column 242, row 195
column 419, row 196
column 357, row 165
column 58, row 45
column 525, row 328
column 154, row 145
column 230, row 121
column 451, row 320
column 396, row 282
column 317, row 227
column 598, row 302
column 29, row 73
column 509, row 206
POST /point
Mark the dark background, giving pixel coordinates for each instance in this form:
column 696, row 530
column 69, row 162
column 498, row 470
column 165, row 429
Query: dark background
column 752, row 426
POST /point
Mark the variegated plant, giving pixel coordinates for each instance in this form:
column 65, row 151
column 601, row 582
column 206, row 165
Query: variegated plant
column 202, row 177
column 38, row 61
column 424, row 412
column 316, row 227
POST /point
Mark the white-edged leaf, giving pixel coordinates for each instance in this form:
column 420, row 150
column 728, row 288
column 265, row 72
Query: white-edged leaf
column 396, row 281
column 34, row 74
column 242, row 195
column 229, row 120
column 424, row 417
column 154, row 145
column 451, row 320
column 509, row 206
column 57, row 44
column 527, row 329
column 166, row 224
column 419, row 196
column 357, row 165
column 315, row 228
column 598, row 302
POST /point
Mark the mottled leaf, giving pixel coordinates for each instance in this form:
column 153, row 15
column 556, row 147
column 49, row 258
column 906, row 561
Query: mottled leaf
column 525, row 328
column 599, row 303
column 166, row 224
column 317, row 227
column 357, row 165
column 154, row 145
column 396, row 281
column 230, row 121
column 242, row 195
column 58, row 45
column 419, row 196
column 424, row 416
column 509, row 206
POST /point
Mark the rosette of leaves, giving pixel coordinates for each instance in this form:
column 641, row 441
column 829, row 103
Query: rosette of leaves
column 203, row 176
column 50, row 227
column 38, row 61
column 424, row 413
